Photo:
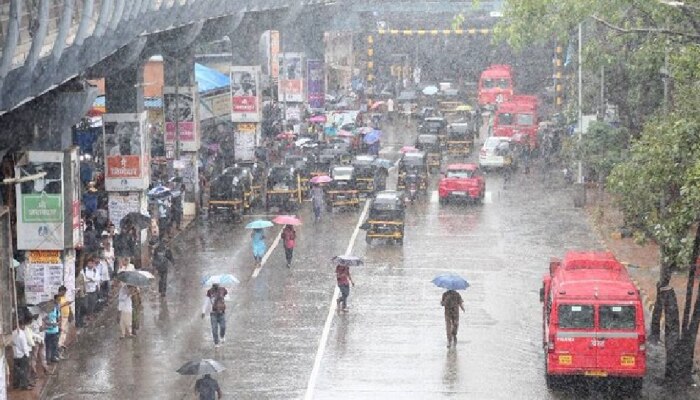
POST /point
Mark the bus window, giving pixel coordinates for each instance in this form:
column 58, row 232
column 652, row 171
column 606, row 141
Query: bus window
column 489, row 84
column 617, row 317
column 525, row 119
column 575, row 316
column 503, row 83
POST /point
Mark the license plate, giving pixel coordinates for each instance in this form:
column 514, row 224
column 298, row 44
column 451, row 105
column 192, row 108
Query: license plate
column 459, row 193
column 627, row 361
column 565, row 359
column 601, row 374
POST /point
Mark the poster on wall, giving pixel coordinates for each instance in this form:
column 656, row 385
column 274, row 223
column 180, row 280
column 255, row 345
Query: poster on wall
column 180, row 112
column 43, row 276
column 245, row 140
column 120, row 204
column 126, row 152
column 315, row 81
column 40, row 201
column 245, row 94
column 291, row 80
column 72, row 197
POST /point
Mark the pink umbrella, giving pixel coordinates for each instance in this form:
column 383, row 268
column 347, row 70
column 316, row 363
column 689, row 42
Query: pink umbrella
column 408, row 149
column 286, row 220
column 318, row 118
column 286, row 135
column 321, row 179
column 344, row 133
column 377, row 105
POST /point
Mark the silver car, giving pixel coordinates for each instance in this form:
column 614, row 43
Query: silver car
column 495, row 153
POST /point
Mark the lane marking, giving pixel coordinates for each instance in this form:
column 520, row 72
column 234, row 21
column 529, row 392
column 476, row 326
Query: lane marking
column 488, row 199
column 434, row 196
column 267, row 255
column 311, row 386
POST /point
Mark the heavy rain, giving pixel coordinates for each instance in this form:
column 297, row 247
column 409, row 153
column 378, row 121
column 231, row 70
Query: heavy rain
column 349, row 199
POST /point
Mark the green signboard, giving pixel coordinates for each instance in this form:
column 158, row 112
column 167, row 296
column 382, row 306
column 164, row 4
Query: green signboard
column 42, row 208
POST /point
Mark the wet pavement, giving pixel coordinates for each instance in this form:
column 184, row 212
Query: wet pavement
column 285, row 340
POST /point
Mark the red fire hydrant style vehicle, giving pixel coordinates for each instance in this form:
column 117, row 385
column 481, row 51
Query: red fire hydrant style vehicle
column 593, row 320
column 495, row 85
column 518, row 116
column 462, row 182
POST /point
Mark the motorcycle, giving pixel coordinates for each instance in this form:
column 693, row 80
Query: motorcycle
column 412, row 188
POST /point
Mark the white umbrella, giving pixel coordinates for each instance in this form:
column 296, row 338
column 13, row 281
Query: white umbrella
column 430, row 90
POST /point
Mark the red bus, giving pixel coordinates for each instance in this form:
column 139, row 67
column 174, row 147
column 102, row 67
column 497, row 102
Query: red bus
column 517, row 116
column 592, row 320
column 495, row 85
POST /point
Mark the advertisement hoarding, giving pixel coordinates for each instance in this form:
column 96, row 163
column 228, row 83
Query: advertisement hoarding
column 315, row 81
column 274, row 54
column 245, row 94
column 120, row 204
column 291, row 78
column 245, row 138
column 40, row 201
column 43, row 275
column 127, row 152
column 181, row 112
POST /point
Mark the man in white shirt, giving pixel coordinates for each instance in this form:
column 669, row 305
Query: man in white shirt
column 125, row 308
column 92, row 283
column 390, row 109
column 105, row 270
column 20, row 352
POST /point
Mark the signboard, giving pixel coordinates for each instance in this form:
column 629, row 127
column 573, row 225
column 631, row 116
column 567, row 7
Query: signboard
column 245, row 140
column 315, row 80
column 180, row 113
column 127, row 152
column 41, row 281
column 72, row 197
column 274, row 54
column 44, row 257
column 293, row 113
column 121, row 204
column 245, row 94
column 291, row 81
column 215, row 106
column 40, row 212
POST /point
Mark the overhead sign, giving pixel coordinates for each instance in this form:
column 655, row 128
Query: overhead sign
column 315, row 79
column 180, row 113
column 127, row 152
column 291, row 80
column 245, row 94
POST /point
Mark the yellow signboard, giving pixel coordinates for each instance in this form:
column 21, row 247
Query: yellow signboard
column 44, row 257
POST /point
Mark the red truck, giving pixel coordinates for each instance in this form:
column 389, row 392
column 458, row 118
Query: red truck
column 462, row 182
column 592, row 320
column 495, row 85
column 518, row 116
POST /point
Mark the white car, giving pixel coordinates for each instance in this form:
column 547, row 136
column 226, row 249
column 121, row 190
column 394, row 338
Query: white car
column 495, row 153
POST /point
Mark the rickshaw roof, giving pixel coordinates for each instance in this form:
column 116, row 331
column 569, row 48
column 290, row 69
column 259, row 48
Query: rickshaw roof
column 428, row 138
column 235, row 171
column 282, row 170
column 434, row 119
column 363, row 160
column 388, row 197
column 462, row 167
column 414, row 156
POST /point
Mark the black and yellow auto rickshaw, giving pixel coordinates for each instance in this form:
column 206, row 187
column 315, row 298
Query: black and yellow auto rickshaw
column 460, row 139
column 430, row 145
column 370, row 174
column 386, row 217
column 283, row 188
column 301, row 164
column 258, row 173
column 436, row 126
column 342, row 190
column 231, row 192
column 410, row 165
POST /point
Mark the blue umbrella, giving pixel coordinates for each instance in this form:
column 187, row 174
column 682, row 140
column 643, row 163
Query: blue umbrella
column 373, row 137
column 450, row 282
column 222, row 279
column 383, row 163
column 259, row 224
column 159, row 191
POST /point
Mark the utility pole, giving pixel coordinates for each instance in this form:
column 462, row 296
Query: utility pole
column 177, row 110
column 580, row 99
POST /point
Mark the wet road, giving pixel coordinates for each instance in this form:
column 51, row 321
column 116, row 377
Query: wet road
column 285, row 341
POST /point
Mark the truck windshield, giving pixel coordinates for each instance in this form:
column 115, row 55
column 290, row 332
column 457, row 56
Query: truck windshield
column 575, row 316
column 525, row 119
column 505, row 119
column 617, row 317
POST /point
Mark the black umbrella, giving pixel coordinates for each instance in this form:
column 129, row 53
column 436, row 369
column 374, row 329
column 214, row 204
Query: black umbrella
column 133, row 278
column 136, row 219
column 200, row 367
column 348, row 260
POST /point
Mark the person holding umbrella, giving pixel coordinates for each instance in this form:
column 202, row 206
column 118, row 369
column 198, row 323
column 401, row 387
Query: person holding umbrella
column 206, row 387
column 289, row 240
column 342, row 275
column 214, row 302
column 452, row 302
column 125, row 311
column 259, row 246
column 317, row 200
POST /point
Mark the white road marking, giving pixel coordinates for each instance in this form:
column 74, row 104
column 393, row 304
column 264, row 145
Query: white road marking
column 434, row 197
column 311, row 386
column 488, row 199
column 257, row 269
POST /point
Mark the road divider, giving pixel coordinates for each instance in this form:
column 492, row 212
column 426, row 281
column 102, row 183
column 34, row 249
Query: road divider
column 311, row 386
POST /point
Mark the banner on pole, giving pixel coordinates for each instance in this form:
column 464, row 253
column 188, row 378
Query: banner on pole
column 315, row 79
column 245, row 94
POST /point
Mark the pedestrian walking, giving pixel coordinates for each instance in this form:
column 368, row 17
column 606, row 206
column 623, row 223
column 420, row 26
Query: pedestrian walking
column 342, row 274
column 452, row 301
column 289, row 236
column 66, row 319
column 136, row 309
column 80, row 299
column 259, row 246
column 51, row 334
column 317, row 201
column 162, row 263
column 125, row 310
column 20, row 354
column 207, row 388
column 215, row 304
column 29, row 333
column 38, row 351
column 105, row 269
column 92, row 283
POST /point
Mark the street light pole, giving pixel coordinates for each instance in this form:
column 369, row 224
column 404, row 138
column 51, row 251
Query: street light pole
column 580, row 100
column 177, row 109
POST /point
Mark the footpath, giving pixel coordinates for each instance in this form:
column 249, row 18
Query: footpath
column 642, row 260
column 74, row 338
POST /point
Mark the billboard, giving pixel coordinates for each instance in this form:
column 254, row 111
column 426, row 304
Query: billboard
column 291, row 79
column 127, row 152
column 43, row 275
column 274, row 54
column 181, row 112
column 315, row 81
column 40, row 201
column 245, row 138
column 245, row 94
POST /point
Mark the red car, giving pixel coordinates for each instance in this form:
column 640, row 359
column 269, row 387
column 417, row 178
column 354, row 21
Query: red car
column 462, row 182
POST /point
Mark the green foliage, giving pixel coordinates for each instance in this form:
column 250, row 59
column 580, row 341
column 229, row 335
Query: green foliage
column 602, row 147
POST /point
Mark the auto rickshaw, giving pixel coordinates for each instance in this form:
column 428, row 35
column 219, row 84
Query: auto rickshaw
column 460, row 139
column 370, row 175
column 435, row 126
column 300, row 163
column 283, row 188
column 231, row 192
column 386, row 217
column 413, row 164
column 321, row 162
column 258, row 173
column 430, row 145
column 342, row 190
